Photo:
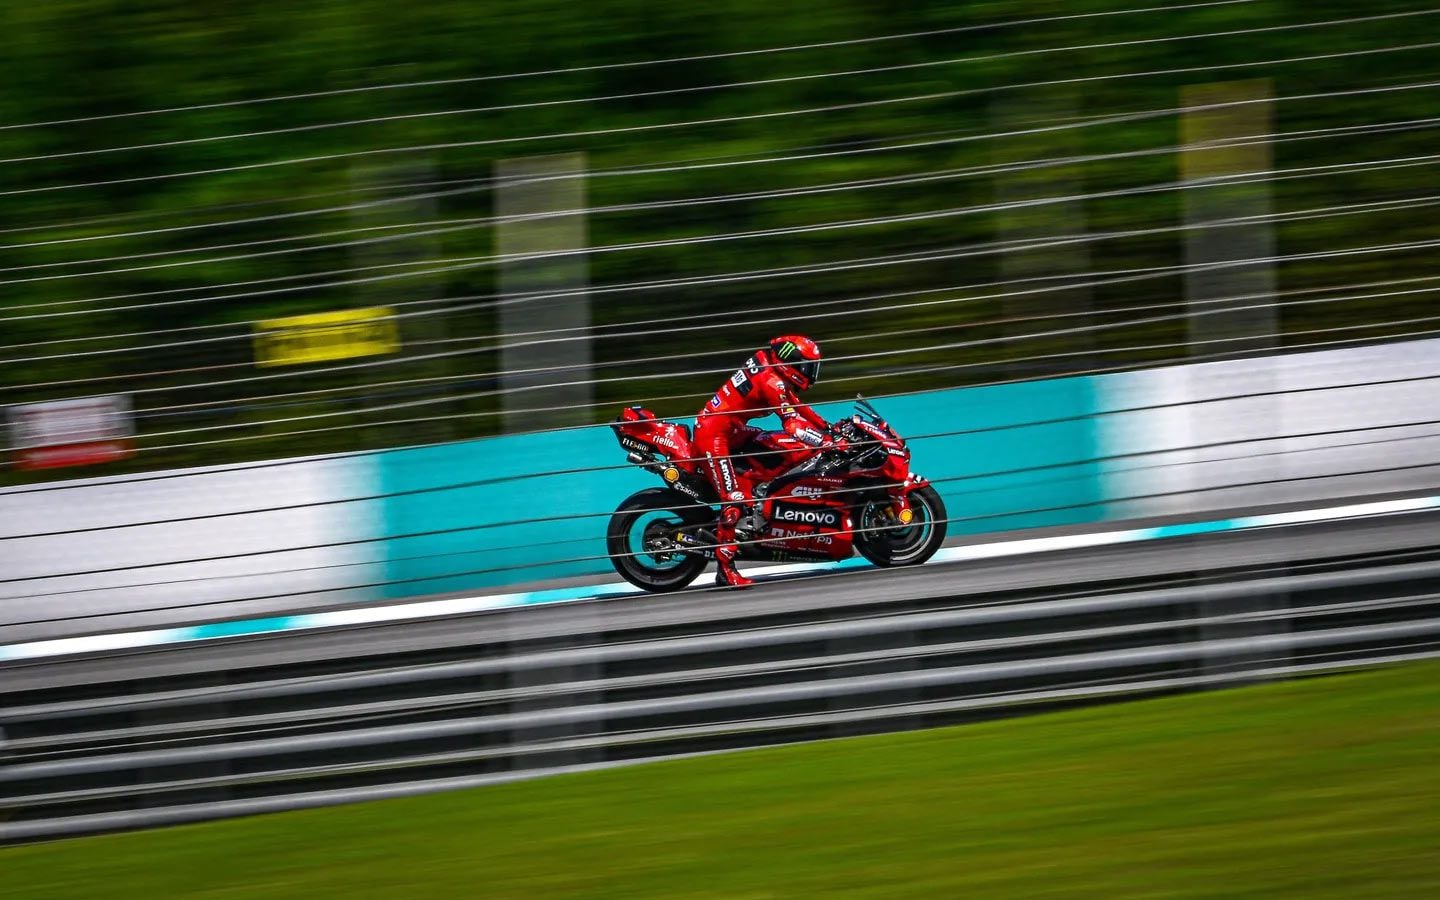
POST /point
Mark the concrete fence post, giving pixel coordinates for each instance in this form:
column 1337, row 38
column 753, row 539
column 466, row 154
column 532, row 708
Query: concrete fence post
column 1230, row 289
column 540, row 204
column 1231, row 305
column 1039, row 305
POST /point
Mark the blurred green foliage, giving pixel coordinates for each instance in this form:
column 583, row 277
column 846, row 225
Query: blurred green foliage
column 102, row 241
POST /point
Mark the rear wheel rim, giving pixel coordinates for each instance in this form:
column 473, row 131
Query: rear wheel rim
column 644, row 539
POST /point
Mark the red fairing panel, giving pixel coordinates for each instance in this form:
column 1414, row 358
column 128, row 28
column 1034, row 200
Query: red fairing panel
column 805, row 517
column 800, row 539
column 666, row 438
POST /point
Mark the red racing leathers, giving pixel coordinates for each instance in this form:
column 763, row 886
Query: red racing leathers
column 755, row 390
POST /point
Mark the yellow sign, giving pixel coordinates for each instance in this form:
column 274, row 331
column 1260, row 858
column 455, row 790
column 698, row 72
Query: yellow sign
column 320, row 337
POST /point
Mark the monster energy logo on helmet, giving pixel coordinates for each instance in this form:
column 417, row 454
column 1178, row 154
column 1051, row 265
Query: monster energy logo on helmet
column 796, row 357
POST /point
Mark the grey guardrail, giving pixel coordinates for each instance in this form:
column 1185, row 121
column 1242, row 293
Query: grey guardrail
column 756, row 697
column 429, row 702
column 149, row 818
column 721, row 642
column 79, row 766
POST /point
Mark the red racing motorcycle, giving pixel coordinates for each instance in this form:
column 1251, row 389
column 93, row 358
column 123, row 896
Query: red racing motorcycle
column 810, row 505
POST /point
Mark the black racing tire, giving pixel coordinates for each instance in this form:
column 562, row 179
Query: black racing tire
column 909, row 545
column 632, row 562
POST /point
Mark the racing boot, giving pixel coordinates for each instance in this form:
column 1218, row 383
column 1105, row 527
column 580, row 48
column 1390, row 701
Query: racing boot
column 726, row 575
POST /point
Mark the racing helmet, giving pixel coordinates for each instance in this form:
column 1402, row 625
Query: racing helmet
column 797, row 359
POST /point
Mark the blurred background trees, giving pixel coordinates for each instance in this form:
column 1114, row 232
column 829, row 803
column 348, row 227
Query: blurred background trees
column 139, row 248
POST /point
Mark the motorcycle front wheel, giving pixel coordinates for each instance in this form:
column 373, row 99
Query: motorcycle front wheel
column 638, row 543
column 903, row 545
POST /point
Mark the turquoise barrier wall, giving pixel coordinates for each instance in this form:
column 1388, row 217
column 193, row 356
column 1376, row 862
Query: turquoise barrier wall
column 1051, row 478
column 470, row 557
column 510, row 549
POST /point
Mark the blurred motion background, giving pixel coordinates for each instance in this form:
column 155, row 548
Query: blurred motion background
column 314, row 304
column 344, row 228
column 944, row 194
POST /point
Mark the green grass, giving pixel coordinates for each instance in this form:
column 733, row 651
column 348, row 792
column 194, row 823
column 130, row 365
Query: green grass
column 1327, row 787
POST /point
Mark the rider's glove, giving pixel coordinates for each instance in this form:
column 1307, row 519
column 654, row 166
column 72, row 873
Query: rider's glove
column 837, row 444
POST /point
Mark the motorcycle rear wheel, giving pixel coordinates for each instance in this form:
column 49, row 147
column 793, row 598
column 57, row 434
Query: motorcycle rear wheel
column 640, row 523
column 908, row 545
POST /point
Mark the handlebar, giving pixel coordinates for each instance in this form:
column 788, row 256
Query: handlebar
column 846, row 429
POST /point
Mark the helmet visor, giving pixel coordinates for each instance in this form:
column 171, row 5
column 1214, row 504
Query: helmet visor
column 810, row 369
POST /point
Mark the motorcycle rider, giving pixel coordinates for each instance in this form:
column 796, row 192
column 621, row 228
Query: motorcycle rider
column 769, row 381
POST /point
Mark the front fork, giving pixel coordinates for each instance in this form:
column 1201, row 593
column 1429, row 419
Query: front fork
column 899, row 511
